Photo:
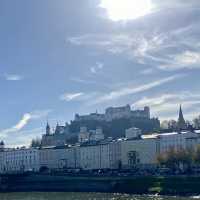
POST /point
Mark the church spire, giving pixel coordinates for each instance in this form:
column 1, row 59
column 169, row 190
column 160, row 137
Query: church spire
column 48, row 129
column 181, row 120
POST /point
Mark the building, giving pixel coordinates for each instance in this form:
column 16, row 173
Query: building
column 133, row 133
column 122, row 153
column 113, row 113
column 174, row 140
column 115, row 154
column 19, row 160
column 96, row 135
column 66, row 157
column 2, row 148
column 57, row 137
column 141, row 152
column 84, row 135
column 91, row 135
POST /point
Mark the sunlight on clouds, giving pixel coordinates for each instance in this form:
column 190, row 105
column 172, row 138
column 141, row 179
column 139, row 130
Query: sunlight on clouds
column 126, row 9
column 21, row 124
column 25, row 119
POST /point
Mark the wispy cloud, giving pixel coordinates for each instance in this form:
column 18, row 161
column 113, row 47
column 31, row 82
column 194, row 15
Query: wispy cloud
column 84, row 81
column 174, row 49
column 147, row 71
column 80, row 96
column 136, row 44
column 166, row 105
column 71, row 96
column 186, row 59
column 13, row 77
column 129, row 90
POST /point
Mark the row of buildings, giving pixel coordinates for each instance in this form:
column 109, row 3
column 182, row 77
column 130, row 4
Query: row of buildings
column 93, row 151
column 132, row 150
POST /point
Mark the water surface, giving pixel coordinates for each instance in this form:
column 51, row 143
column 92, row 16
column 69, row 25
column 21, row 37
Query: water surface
column 82, row 196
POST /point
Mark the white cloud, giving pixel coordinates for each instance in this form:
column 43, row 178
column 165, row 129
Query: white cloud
column 13, row 77
column 93, row 70
column 96, row 68
column 71, row 96
column 188, row 58
column 135, row 89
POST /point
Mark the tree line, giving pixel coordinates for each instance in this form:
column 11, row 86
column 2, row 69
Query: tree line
column 173, row 124
column 180, row 159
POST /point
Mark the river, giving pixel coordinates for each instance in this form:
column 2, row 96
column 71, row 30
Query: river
column 82, row 196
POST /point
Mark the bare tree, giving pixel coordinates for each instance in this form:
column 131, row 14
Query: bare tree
column 196, row 122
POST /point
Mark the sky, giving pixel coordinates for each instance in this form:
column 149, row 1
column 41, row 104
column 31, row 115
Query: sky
column 58, row 58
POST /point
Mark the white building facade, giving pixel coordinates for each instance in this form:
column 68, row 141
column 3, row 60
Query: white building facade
column 19, row 160
column 60, row 158
column 122, row 153
column 133, row 132
column 142, row 152
column 91, row 135
column 175, row 140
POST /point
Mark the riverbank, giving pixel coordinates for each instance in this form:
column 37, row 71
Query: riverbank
column 171, row 185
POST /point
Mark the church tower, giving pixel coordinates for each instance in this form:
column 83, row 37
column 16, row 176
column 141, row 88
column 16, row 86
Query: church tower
column 181, row 120
column 48, row 129
column 2, row 145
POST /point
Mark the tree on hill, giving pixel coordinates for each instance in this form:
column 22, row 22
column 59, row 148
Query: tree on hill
column 36, row 142
column 197, row 155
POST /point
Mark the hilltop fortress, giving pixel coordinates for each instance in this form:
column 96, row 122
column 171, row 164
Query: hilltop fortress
column 113, row 113
column 112, row 123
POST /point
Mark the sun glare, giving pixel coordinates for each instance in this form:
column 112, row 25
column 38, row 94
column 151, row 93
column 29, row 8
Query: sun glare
column 126, row 9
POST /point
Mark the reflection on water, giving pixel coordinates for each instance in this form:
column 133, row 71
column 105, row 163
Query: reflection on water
column 82, row 196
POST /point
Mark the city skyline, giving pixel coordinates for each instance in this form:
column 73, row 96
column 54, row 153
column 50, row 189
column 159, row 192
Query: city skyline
column 58, row 59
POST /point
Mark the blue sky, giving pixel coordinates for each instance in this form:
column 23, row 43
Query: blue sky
column 58, row 58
